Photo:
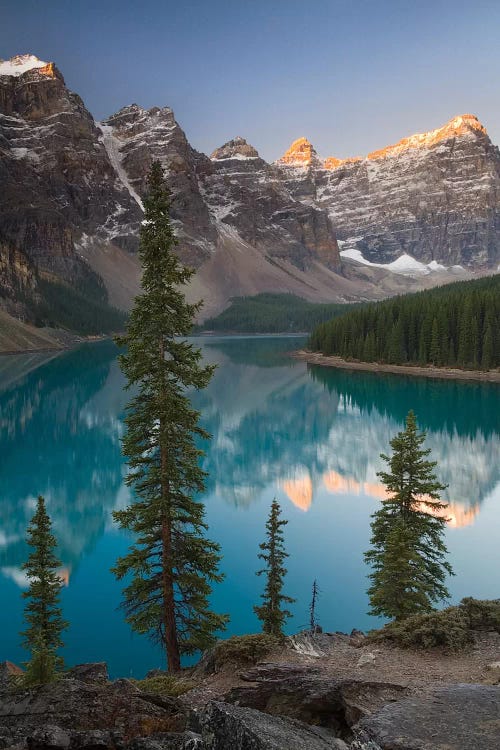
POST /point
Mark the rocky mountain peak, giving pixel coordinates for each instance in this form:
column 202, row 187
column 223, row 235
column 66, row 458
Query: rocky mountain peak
column 237, row 148
column 21, row 64
column 459, row 126
column 300, row 154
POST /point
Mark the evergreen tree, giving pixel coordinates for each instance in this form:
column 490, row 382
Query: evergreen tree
column 313, row 623
column 270, row 612
column 408, row 553
column 42, row 613
column 171, row 564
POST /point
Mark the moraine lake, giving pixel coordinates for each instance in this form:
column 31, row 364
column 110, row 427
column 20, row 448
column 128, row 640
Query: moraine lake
column 309, row 436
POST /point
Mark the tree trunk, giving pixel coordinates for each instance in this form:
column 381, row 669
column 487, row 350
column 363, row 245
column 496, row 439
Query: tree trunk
column 169, row 624
column 170, row 627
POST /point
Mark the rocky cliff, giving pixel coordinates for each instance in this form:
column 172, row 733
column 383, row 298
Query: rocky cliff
column 433, row 196
column 70, row 204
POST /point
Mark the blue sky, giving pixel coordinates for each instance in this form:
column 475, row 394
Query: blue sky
column 352, row 76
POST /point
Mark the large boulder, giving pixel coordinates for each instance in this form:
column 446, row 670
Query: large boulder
column 453, row 717
column 304, row 693
column 227, row 727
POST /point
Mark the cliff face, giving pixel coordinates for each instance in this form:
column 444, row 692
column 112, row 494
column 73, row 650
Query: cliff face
column 434, row 196
column 57, row 181
column 244, row 195
column 233, row 191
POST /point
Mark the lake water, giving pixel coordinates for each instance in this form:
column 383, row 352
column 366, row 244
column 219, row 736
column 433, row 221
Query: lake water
column 309, row 436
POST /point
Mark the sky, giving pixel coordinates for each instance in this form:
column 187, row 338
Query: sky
column 351, row 75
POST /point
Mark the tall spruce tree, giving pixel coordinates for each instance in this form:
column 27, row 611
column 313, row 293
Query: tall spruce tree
column 42, row 613
column 407, row 557
column 271, row 612
column 171, row 564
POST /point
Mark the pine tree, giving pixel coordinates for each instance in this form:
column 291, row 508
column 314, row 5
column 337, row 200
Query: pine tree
column 270, row 613
column 171, row 564
column 408, row 553
column 42, row 613
column 313, row 623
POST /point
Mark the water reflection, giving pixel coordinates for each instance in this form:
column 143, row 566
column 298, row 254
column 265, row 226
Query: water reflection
column 60, row 437
column 307, row 430
column 274, row 422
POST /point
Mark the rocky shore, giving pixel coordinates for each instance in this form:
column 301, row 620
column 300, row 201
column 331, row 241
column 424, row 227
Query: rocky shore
column 322, row 692
column 443, row 373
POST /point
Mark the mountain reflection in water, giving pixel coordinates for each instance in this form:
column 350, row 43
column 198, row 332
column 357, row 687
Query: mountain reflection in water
column 312, row 437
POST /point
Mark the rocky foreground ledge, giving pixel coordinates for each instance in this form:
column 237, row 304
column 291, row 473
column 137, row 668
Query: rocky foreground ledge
column 291, row 703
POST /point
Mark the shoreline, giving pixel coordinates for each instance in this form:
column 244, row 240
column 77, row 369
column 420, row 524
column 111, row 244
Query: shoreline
column 440, row 373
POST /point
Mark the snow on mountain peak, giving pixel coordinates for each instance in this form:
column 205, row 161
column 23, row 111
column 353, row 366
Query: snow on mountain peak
column 20, row 64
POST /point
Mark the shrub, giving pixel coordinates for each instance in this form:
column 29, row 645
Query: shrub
column 165, row 685
column 451, row 629
column 245, row 649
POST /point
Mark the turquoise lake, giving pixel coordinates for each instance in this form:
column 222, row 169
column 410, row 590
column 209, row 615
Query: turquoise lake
column 309, row 436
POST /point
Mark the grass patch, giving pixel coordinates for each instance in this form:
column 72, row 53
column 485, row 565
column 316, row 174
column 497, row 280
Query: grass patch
column 165, row 685
column 245, row 649
column 451, row 629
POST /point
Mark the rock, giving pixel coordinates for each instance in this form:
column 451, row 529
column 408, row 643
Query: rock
column 75, row 706
column 96, row 740
column 49, row 738
column 170, row 741
column 234, row 728
column 455, row 717
column 365, row 659
column 299, row 692
column 8, row 670
column 356, row 638
column 96, row 672
column 493, row 673
column 317, row 644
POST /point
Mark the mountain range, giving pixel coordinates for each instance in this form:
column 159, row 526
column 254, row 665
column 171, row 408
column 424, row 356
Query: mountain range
column 421, row 212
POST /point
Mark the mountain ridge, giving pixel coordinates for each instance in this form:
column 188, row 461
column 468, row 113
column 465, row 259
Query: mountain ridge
column 71, row 202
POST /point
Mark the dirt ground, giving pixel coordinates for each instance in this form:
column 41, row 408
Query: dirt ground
column 408, row 668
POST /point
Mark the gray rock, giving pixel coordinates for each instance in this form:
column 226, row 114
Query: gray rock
column 49, row 738
column 234, row 728
column 302, row 693
column 95, row 672
column 75, row 706
column 7, row 671
column 365, row 659
column 454, row 717
column 169, row 741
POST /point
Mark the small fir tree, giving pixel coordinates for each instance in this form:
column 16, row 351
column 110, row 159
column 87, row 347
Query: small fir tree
column 42, row 613
column 409, row 569
column 270, row 612
column 172, row 564
column 313, row 623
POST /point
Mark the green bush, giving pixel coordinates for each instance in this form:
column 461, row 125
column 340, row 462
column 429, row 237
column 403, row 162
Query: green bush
column 165, row 685
column 451, row 629
column 483, row 614
column 245, row 649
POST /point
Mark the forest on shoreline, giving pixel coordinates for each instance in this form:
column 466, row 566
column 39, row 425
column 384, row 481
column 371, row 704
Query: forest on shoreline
column 457, row 325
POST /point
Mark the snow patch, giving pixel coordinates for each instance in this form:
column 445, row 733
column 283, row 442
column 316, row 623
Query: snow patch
column 405, row 265
column 20, row 64
column 112, row 146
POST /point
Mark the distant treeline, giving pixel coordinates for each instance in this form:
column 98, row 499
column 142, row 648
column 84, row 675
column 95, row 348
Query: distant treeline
column 272, row 313
column 84, row 310
column 457, row 325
